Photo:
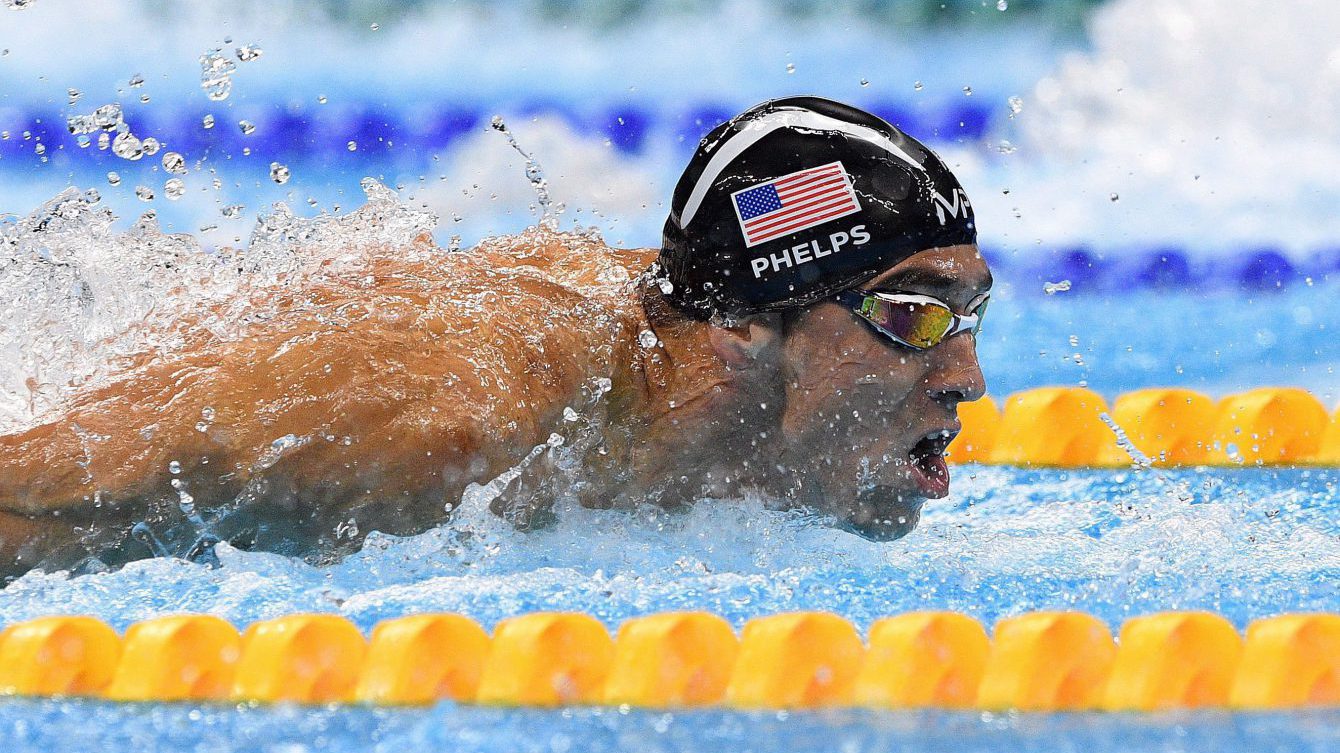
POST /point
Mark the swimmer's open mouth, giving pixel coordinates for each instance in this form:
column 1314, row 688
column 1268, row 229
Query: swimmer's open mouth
column 930, row 472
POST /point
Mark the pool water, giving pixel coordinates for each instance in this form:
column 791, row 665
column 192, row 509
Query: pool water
column 1242, row 542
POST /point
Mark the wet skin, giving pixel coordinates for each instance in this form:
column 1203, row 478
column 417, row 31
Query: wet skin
column 857, row 424
column 406, row 381
column 862, row 410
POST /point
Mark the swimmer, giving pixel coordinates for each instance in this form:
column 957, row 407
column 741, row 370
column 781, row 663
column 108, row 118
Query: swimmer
column 806, row 330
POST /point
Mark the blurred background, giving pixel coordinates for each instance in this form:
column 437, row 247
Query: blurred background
column 1190, row 142
column 1144, row 172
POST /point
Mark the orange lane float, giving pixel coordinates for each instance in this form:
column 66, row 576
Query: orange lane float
column 1268, row 426
column 424, row 658
column 1052, row 426
column 1166, row 425
column 1329, row 451
column 672, row 660
column 58, row 656
column 307, row 658
column 1070, row 427
column 177, row 658
column 981, row 426
column 547, row 659
column 1047, row 661
column 1289, row 661
column 923, row 659
column 1040, row 661
column 797, row 660
column 1173, row 660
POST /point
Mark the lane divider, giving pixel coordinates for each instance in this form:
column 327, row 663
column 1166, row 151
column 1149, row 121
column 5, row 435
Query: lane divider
column 1068, row 427
column 1039, row 661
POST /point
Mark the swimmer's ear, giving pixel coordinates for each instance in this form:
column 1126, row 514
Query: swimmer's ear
column 751, row 341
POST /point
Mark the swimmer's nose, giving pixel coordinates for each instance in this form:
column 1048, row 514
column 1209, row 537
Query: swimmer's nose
column 955, row 375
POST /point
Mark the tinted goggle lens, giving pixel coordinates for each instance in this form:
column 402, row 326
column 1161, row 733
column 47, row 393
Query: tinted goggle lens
column 918, row 323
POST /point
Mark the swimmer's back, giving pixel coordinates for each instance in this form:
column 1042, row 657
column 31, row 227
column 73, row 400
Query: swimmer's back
column 378, row 394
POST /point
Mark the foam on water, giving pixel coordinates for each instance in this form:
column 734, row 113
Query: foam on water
column 1245, row 543
column 1195, row 122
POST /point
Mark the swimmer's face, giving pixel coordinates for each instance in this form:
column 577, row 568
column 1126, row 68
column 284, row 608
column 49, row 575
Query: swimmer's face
column 867, row 420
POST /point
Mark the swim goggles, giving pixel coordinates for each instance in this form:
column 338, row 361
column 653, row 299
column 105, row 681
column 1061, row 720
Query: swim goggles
column 917, row 321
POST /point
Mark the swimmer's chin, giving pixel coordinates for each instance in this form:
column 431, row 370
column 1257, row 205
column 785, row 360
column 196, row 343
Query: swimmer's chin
column 882, row 513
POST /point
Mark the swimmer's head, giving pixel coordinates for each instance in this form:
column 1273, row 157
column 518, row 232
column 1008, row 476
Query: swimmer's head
column 785, row 212
column 797, row 199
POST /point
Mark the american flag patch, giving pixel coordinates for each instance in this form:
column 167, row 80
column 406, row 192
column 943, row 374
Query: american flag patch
column 794, row 202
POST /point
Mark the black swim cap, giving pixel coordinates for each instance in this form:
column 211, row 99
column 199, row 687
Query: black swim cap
column 800, row 198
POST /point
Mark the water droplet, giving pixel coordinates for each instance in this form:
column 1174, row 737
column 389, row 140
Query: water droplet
column 151, row 146
column 126, row 146
column 207, row 121
column 247, row 127
column 497, row 124
column 1113, row 197
column 1016, row 105
column 917, row 86
column 207, row 413
column 174, row 189
column 666, row 286
column 91, row 196
column 352, row 146
column 321, row 99
column 186, row 502
column 174, row 467
column 144, row 98
column 79, row 125
column 104, row 141
column 144, row 193
column 216, row 72
column 40, row 148
column 647, row 339
column 232, row 211
column 248, row 52
column 1052, row 288
column 375, row 27
column 174, row 163
column 569, row 414
column 279, row 173
column 790, row 67
column 1002, row 5
column 967, row 91
column 865, row 82
column 1005, row 147
column 114, row 178
column 73, row 94
column 108, row 117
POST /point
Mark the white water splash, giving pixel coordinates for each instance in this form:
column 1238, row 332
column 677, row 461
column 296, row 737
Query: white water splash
column 77, row 296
